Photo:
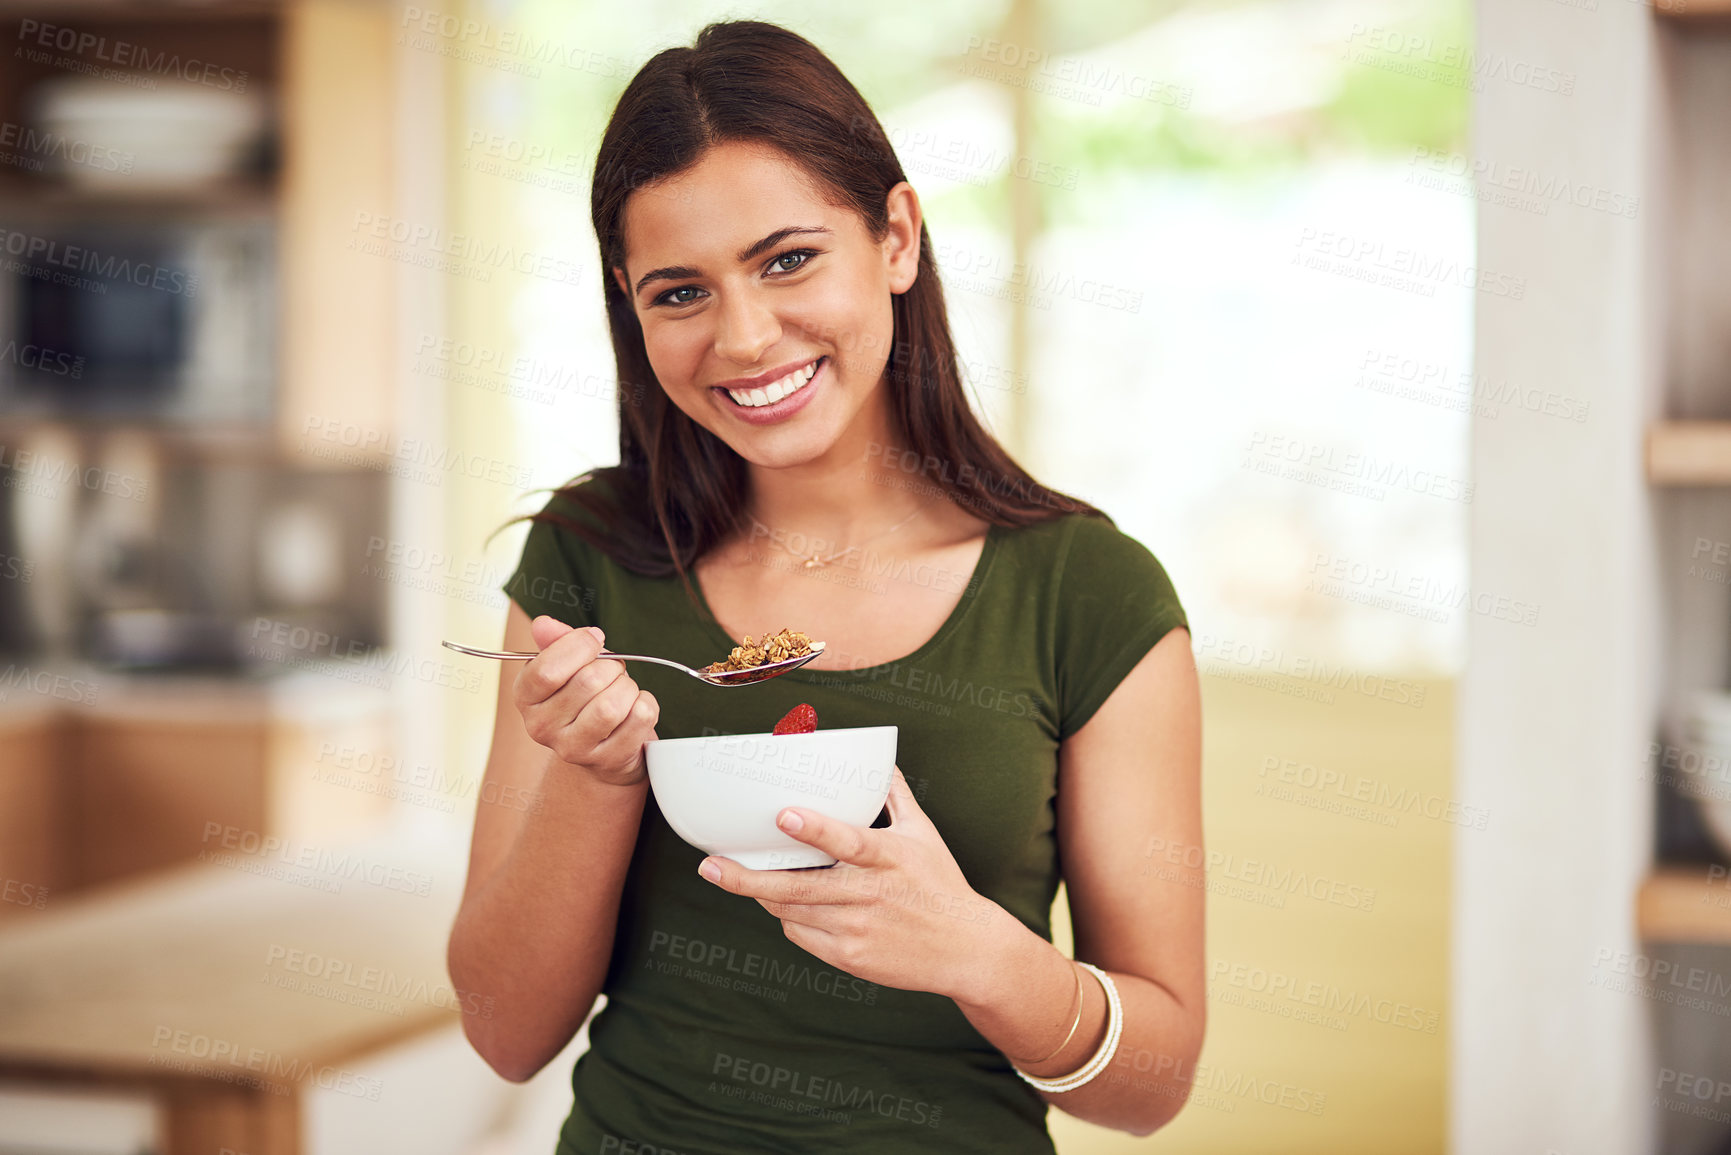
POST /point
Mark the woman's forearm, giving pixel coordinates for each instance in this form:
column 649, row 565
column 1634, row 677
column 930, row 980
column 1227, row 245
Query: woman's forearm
column 533, row 938
column 1025, row 999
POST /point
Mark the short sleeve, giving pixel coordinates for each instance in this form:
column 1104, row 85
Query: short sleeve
column 1115, row 602
column 557, row 572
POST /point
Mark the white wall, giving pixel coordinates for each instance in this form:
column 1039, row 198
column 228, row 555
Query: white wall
column 1554, row 720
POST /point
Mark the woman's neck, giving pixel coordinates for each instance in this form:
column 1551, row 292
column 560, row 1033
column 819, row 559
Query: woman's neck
column 854, row 489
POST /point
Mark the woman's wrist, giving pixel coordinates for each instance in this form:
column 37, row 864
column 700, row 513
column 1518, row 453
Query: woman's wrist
column 1023, row 999
column 572, row 773
column 1087, row 1040
column 568, row 778
column 1029, row 1063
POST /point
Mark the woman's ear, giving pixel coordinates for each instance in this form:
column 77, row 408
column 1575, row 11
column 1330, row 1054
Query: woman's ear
column 901, row 245
column 624, row 285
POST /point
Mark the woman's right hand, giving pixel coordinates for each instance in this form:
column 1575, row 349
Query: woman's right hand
column 585, row 709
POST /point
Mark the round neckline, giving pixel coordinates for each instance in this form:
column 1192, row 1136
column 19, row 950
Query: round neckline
column 970, row 592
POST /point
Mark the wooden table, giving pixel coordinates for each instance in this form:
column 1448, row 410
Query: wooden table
column 234, row 991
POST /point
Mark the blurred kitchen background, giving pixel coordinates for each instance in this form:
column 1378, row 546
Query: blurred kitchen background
column 1396, row 329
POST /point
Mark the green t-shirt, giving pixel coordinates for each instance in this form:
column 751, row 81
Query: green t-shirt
column 719, row 1035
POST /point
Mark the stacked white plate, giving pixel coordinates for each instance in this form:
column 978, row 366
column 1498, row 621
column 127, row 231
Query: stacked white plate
column 172, row 135
column 1704, row 773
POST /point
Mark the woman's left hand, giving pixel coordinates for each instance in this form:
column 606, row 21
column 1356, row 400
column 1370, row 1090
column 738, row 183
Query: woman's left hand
column 895, row 908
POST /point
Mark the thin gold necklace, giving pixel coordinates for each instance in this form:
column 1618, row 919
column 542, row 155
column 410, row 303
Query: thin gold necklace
column 814, row 560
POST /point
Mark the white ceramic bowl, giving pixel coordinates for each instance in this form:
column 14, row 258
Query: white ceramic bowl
column 722, row 793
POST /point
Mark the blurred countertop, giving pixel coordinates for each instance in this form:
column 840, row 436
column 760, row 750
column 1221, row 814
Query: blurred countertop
column 33, row 691
column 116, row 979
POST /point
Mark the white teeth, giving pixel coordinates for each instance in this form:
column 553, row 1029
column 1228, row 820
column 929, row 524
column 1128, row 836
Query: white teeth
column 776, row 390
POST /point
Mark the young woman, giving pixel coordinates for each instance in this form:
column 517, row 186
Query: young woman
column 760, row 242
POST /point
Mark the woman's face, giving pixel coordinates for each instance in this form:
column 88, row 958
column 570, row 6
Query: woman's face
column 749, row 286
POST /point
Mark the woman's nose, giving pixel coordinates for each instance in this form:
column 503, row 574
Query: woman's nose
column 746, row 329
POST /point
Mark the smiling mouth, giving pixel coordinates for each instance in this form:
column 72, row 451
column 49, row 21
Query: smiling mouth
column 775, row 390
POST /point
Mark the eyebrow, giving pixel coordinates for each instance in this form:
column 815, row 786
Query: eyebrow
column 757, row 248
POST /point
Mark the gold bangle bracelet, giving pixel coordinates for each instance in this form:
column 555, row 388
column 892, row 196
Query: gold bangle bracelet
column 1102, row 1057
column 1073, row 1026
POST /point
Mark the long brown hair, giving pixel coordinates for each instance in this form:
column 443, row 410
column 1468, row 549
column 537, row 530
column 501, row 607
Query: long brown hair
column 679, row 490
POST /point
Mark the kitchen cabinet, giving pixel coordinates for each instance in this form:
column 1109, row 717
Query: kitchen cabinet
column 325, row 191
column 155, row 770
column 1688, row 444
column 31, row 848
column 141, row 789
column 239, row 468
column 1683, row 907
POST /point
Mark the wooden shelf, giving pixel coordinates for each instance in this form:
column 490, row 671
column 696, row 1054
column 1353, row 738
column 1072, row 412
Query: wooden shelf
column 1689, row 453
column 1686, row 11
column 243, row 443
column 1685, row 904
column 42, row 197
column 186, row 11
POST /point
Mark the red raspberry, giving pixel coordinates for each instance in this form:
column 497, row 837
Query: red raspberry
column 802, row 719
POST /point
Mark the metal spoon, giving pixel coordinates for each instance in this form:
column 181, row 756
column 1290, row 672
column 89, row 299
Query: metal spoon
column 728, row 678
